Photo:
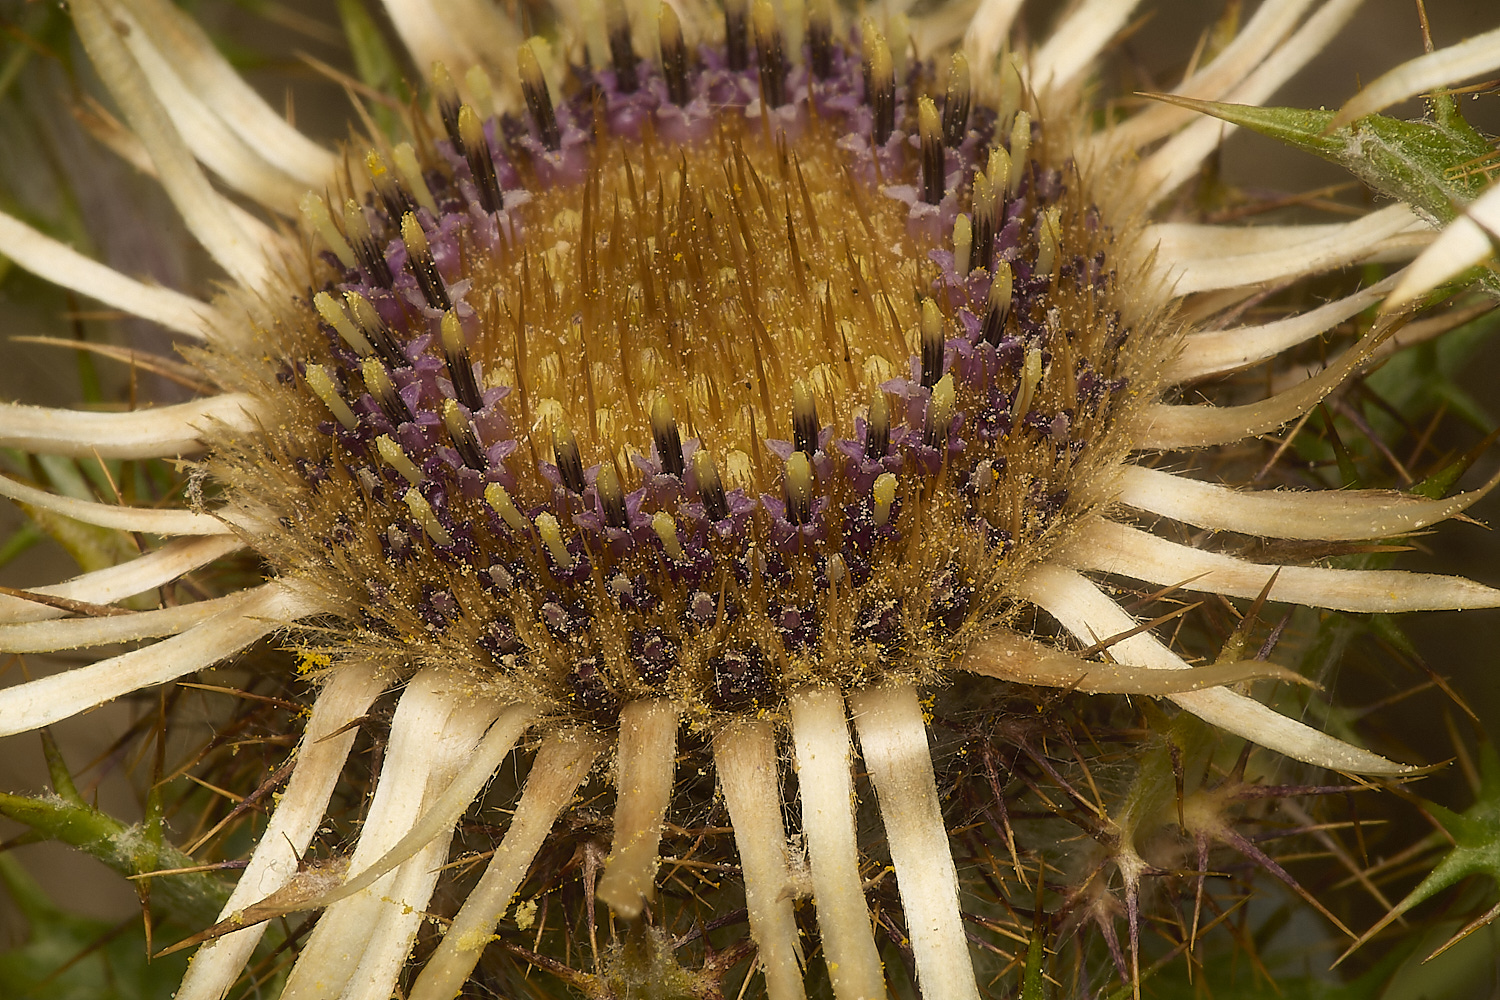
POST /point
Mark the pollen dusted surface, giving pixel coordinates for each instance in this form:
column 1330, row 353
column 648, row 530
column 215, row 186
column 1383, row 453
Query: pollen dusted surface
column 690, row 400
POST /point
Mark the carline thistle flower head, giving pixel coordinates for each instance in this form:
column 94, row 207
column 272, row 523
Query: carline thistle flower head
column 742, row 391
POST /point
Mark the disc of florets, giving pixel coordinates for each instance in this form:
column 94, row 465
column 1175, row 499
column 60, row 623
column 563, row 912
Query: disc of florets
column 704, row 379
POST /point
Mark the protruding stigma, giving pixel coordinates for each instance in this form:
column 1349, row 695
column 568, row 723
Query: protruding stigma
column 884, row 494
column 378, row 384
column 666, row 533
column 411, row 172
column 375, row 330
column 333, row 314
column 710, row 487
column 940, row 413
column 820, row 37
column 395, row 456
column 388, row 186
column 963, row 245
column 674, row 55
column 878, row 427
column 499, row 500
column 315, row 212
column 929, row 129
column 736, row 34
column 322, row 385
column 804, row 418
column 769, row 55
column 419, row 255
column 481, row 164
column 1020, row 149
column 569, row 464
column 422, row 511
column 933, row 343
column 799, row 484
column 611, row 497
column 998, row 306
column 880, row 83
column 551, row 534
column 366, row 250
column 956, row 101
column 460, row 367
column 617, row 24
column 665, row 435
column 538, row 97
column 461, row 431
column 446, row 96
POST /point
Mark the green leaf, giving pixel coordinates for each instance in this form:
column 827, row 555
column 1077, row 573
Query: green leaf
column 1428, row 164
column 1476, row 838
column 195, row 898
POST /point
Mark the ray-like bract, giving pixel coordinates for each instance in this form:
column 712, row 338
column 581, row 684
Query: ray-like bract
column 1090, row 615
column 1304, row 514
column 443, row 810
column 225, row 93
column 201, row 207
column 893, row 744
column 62, row 265
column 560, row 767
column 41, row 702
column 321, row 756
column 422, row 718
column 644, row 768
column 1179, row 158
column 1267, row 28
column 161, row 432
column 1216, row 352
column 402, row 906
column 1077, row 41
column 746, row 760
column 116, row 583
column 1170, row 426
column 213, row 142
column 1109, row 547
column 820, row 736
column 1435, row 70
column 987, row 30
column 1327, row 249
column 427, row 34
column 166, row 521
column 75, row 633
column 1468, row 240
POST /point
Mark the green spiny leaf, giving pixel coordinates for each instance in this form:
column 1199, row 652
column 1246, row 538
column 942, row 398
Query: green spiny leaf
column 1428, row 164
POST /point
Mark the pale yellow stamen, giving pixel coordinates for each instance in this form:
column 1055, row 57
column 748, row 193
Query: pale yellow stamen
column 499, row 500
column 315, row 212
column 422, row 511
column 884, row 493
column 551, row 532
column 411, row 172
column 666, row 531
column 333, row 314
column 322, row 383
column 394, row 456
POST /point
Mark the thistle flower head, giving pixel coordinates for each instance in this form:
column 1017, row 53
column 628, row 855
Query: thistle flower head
column 677, row 398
